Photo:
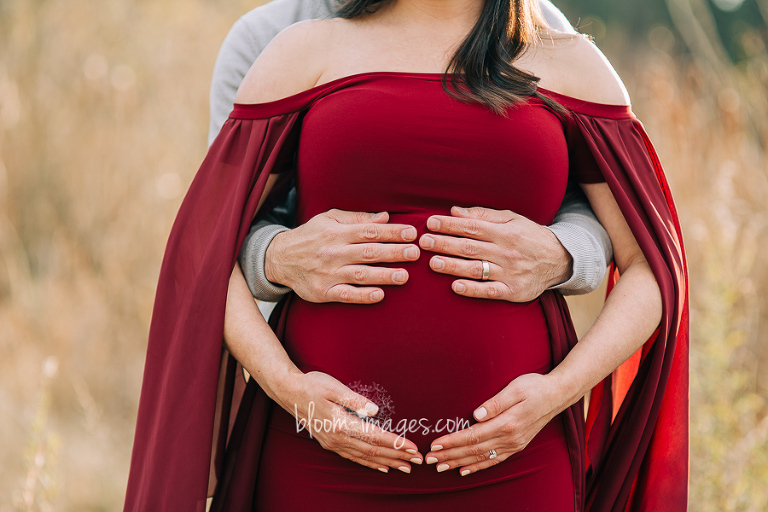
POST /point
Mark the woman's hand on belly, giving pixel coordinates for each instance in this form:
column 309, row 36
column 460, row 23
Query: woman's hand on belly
column 331, row 413
column 506, row 424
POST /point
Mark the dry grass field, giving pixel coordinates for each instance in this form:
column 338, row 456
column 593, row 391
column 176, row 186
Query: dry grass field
column 103, row 120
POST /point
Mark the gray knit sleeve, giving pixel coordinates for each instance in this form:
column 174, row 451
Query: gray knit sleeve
column 585, row 239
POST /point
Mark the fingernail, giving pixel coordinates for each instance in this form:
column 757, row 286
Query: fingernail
column 427, row 242
column 442, row 467
column 399, row 276
column 437, row 448
column 371, row 409
column 411, row 451
column 384, row 470
column 411, row 253
column 408, row 233
column 438, row 263
column 481, row 413
column 431, row 460
column 377, row 295
column 462, row 211
column 433, row 223
column 465, row 472
column 416, row 460
column 404, row 469
column 459, row 287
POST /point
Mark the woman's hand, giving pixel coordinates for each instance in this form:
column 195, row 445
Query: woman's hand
column 331, row 413
column 506, row 424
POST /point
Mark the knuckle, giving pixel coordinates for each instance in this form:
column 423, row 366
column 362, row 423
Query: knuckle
column 370, row 252
column 345, row 294
column 471, row 227
column 493, row 292
column 373, row 452
column 468, row 248
column 478, row 270
column 370, row 232
column 479, row 457
column 473, row 439
column 360, row 274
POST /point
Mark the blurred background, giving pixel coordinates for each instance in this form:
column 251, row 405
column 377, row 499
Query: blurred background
column 103, row 121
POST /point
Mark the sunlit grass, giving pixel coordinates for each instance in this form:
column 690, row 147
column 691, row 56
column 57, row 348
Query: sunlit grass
column 103, row 119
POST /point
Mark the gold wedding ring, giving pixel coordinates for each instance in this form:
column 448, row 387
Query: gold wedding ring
column 486, row 270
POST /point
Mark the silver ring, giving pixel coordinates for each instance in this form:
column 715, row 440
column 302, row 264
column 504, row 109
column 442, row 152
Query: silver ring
column 486, row 270
column 492, row 454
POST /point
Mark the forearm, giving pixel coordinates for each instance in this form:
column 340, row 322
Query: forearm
column 630, row 315
column 251, row 341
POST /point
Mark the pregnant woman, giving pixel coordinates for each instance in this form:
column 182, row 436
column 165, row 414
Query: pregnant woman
column 360, row 112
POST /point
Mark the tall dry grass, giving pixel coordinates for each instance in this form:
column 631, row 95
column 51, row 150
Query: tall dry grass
column 103, row 116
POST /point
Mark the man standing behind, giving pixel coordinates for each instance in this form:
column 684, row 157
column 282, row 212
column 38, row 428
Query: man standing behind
column 494, row 254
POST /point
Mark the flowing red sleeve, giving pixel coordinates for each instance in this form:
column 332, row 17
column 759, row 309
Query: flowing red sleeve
column 175, row 428
column 637, row 429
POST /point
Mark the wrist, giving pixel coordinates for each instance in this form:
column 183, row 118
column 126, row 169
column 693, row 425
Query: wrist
column 562, row 268
column 272, row 268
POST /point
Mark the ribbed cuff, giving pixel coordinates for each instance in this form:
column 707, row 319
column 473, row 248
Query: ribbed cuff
column 588, row 264
column 252, row 260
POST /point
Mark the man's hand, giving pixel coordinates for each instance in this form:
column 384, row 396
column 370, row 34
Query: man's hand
column 525, row 258
column 334, row 251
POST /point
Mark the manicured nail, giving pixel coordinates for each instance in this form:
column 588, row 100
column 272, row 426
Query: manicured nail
column 377, row 295
column 459, row 287
column 431, row 460
column 437, row 447
column 408, row 233
column 465, row 472
column 384, row 470
column 462, row 211
column 411, row 451
column 399, row 276
column 442, row 467
column 404, row 469
column 411, row 253
column 416, row 460
column 438, row 263
column 433, row 224
column 481, row 413
column 371, row 409
column 427, row 242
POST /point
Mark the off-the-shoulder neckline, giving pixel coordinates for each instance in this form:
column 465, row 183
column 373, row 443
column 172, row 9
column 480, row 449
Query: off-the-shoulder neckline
column 303, row 99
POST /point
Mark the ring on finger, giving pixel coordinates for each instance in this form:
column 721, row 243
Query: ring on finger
column 492, row 454
column 486, row 270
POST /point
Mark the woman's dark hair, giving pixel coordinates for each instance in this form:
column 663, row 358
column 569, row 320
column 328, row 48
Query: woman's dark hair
column 482, row 67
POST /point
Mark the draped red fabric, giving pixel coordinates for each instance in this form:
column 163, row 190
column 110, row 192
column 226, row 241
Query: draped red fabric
column 193, row 404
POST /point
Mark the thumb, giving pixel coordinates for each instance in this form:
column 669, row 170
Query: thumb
column 486, row 214
column 346, row 217
column 499, row 403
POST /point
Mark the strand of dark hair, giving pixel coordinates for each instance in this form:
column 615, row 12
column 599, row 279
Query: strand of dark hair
column 482, row 68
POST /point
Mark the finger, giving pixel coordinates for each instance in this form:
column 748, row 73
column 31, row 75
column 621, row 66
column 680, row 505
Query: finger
column 472, row 435
column 465, row 456
column 486, row 214
column 465, row 470
column 347, row 217
column 379, row 252
column 378, row 449
column 469, row 228
column 366, row 276
column 500, row 402
column 462, row 247
column 493, row 290
column 349, row 294
column 382, row 233
column 471, row 269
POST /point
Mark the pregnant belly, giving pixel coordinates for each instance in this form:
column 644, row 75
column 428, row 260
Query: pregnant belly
column 428, row 357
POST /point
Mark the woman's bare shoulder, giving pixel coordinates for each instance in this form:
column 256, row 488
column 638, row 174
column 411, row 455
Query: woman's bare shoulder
column 291, row 63
column 579, row 69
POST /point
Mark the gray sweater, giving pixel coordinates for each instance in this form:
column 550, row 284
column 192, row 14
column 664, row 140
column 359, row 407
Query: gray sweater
column 575, row 224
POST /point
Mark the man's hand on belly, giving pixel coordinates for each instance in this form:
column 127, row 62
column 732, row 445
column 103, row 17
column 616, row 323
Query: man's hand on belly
column 329, row 259
column 524, row 258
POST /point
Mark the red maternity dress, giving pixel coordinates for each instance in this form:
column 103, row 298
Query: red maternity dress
column 397, row 142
